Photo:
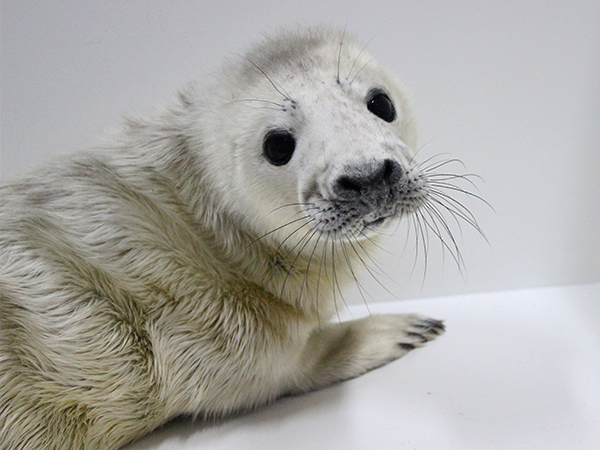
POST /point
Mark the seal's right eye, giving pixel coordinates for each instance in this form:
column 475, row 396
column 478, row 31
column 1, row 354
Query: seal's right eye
column 278, row 147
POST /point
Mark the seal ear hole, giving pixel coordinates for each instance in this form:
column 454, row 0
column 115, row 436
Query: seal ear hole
column 380, row 104
column 279, row 146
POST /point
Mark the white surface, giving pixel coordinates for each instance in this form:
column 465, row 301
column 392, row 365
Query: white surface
column 510, row 87
column 515, row 370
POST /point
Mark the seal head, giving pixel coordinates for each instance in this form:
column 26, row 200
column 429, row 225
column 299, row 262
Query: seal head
column 323, row 139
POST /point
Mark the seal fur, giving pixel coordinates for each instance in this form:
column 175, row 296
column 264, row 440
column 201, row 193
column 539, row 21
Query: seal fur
column 175, row 270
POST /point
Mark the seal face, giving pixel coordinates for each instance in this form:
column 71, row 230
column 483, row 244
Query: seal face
column 190, row 264
column 334, row 145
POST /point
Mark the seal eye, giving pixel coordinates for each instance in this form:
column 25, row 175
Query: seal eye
column 380, row 104
column 278, row 147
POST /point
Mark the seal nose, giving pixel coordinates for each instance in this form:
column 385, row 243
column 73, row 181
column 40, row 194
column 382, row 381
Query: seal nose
column 367, row 178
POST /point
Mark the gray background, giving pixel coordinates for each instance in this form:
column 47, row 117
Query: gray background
column 512, row 88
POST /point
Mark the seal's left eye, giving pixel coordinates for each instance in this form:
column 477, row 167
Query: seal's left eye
column 380, row 104
column 278, row 147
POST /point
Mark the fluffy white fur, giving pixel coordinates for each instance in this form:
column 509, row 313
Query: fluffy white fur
column 174, row 270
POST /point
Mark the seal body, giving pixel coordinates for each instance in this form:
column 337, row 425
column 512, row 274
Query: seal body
column 190, row 264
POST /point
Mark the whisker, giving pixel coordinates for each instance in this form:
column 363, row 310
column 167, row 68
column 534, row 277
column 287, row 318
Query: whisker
column 359, row 286
column 339, row 58
column 303, row 242
column 376, row 243
column 451, row 179
column 435, row 165
column 455, row 207
column 289, row 205
column 368, row 269
column 434, row 214
column 454, row 213
column 370, row 256
column 254, row 100
column 337, row 281
column 306, row 277
column 279, row 90
column 334, row 281
column 276, row 229
column 454, row 204
column 409, row 219
column 462, row 191
column 453, row 176
column 300, row 251
column 362, row 68
column 454, row 250
column 282, row 259
column 321, row 265
column 457, row 214
column 426, row 163
column 360, row 53
column 282, row 243
column 412, row 158
column 422, row 232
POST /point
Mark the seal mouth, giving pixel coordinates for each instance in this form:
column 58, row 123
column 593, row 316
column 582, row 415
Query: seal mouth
column 344, row 222
column 375, row 222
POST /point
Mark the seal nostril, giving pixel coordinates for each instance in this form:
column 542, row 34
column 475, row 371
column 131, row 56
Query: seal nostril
column 389, row 167
column 348, row 184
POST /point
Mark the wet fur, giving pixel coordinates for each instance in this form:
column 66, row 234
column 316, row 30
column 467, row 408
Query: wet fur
column 172, row 271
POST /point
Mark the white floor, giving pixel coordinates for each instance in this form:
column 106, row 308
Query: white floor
column 515, row 370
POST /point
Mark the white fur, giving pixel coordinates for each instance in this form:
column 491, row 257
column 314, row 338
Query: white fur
column 155, row 275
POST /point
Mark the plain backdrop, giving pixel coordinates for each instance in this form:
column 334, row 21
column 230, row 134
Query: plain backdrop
column 512, row 88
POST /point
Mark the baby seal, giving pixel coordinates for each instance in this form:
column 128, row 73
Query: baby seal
column 190, row 264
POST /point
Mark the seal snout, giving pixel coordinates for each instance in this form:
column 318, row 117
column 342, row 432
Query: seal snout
column 367, row 180
column 365, row 195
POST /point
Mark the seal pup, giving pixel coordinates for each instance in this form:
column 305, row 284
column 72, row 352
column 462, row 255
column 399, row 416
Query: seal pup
column 190, row 264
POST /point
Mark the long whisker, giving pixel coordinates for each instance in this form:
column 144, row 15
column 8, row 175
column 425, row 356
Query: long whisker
column 360, row 53
column 453, row 176
column 335, row 277
column 307, row 274
column 453, row 204
column 324, row 264
column 454, row 213
column 423, row 164
column 413, row 157
column 421, row 231
column 305, row 205
column 339, row 58
column 302, row 243
column 435, row 165
column 334, row 280
column 452, row 187
column 368, row 269
column 362, row 68
column 433, row 226
column 374, row 242
column 370, row 256
column 254, row 100
column 456, row 208
column 291, row 222
column 359, row 286
column 279, row 89
column 282, row 243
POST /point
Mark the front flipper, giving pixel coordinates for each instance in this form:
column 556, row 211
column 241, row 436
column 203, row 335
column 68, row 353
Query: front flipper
column 340, row 352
